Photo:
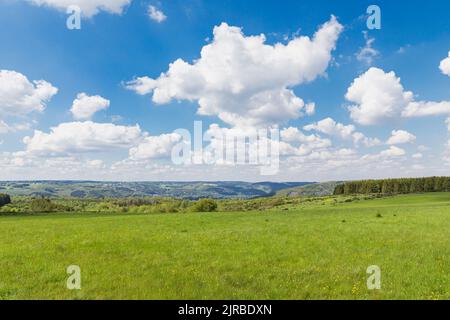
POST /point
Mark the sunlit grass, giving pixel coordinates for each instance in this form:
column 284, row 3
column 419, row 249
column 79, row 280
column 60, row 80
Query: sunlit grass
column 305, row 252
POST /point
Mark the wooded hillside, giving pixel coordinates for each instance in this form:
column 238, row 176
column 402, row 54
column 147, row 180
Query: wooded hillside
column 393, row 186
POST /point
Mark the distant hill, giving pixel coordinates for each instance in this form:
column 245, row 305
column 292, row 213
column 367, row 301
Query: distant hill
column 187, row 190
column 276, row 186
column 309, row 190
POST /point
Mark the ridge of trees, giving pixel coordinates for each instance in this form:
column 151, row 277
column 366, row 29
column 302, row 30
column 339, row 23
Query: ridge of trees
column 394, row 186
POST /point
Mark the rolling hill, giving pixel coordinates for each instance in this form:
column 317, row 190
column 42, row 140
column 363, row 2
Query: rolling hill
column 310, row 190
column 187, row 190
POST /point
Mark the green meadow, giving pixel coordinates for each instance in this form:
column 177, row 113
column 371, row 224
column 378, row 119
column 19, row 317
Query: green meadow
column 311, row 250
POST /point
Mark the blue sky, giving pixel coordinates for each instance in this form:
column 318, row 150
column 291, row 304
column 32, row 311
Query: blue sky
column 112, row 49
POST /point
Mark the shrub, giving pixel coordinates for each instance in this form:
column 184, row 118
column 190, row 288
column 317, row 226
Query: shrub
column 4, row 199
column 167, row 208
column 205, row 205
column 137, row 202
column 43, row 205
column 104, row 206
column 10, row 209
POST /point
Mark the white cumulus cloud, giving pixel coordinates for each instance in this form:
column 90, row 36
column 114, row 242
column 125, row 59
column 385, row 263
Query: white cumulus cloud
column 243, row 80
column 379, row 96
column 6, row 128
column 295, row 142
column 19, row 96
column 80, row 137
column 155, row 147
column 84, row 106
column 427, row 108
column 294, row 135
column 330, row 127
column 445, row 65
column 401, row 137
column 393, row 151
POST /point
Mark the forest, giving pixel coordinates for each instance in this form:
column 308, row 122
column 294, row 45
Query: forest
column 394, row 186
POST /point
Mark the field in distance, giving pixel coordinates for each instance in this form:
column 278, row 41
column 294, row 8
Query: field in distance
column 314, row 250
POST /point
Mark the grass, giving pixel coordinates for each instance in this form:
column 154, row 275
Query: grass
column 301, row 252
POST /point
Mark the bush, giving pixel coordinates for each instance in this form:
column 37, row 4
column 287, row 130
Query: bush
column 43, row 205
column 205, row 205
column 10, row 209
column 104, row 206
column 4, row 199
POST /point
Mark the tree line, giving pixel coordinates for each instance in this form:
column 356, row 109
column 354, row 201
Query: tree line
column 394, row 186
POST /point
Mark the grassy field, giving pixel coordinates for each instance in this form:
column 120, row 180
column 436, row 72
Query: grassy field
column 315, row 251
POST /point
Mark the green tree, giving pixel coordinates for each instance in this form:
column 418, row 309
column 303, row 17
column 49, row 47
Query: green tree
column 4, row 199
column 205, row 205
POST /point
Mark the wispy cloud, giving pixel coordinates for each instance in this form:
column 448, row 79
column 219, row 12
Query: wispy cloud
column 367, row 53
column 155, row 14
